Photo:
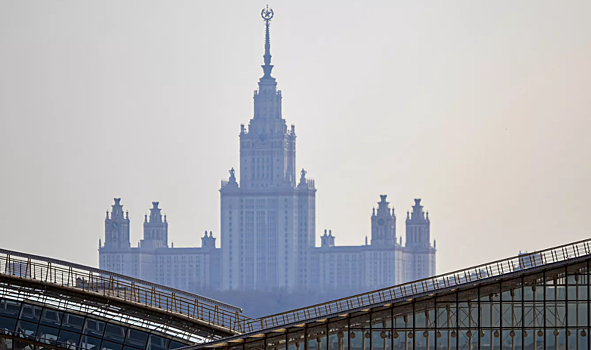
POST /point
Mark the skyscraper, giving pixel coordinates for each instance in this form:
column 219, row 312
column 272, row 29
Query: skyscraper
column 267, row 220
column 268, row 230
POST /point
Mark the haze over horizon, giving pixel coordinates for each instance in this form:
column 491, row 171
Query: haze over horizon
column 479, row 108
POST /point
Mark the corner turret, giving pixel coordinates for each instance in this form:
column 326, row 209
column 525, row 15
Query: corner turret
column 208, row 242
column 117, row 228
column 383, row 224
column 418, row 244
column 418, row 227
column 327, row 241
column 155, row 229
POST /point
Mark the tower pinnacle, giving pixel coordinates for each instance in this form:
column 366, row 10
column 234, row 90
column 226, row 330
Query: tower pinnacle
column 267, row 15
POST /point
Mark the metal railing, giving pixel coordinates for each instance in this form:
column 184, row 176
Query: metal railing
column 127, row 289
column 410, row 289
column 222, row 315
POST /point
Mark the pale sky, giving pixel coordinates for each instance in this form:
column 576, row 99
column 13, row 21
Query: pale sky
column 480, row 108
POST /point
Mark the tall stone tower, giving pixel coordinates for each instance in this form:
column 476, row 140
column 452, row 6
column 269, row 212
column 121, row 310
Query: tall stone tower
column 421, row 254
column 268, row 219
column 117, row 228
column 383, row 224
column 115, row 255
column 155, row 229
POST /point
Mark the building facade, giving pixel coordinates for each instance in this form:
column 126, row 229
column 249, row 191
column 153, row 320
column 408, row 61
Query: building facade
column 268, row 232
column 382, row 261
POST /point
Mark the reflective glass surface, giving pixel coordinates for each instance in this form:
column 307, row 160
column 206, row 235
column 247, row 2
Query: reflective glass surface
column 549, row 310
column 23, row 324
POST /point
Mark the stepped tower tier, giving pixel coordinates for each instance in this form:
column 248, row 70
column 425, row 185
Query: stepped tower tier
column 267, row 147
column 117, row 227
column 383, row 224
column 418, row 227
column 155, row 229
column 420, row 252
column 268, row 217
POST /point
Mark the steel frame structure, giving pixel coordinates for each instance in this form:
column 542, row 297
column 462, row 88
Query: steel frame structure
column 336, row 316
column 539, row 300
column 179, row 312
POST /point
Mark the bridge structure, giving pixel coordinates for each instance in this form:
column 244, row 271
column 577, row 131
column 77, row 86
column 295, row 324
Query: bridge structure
column 539, row 300
column 55, row 303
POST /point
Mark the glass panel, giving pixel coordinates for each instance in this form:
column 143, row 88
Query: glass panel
column 106, row 345
column 467, row 339
column 402, row 317
column 420, row 319
column 51, row 317
column 317, row 338
column 528, row 314
column 257, row 345
column 357, row 340
column 28, row 329
column 511, row 314
column 496, row 339
column 9, row 308
column 572, row 293
column 528, row 292
column 555, row 315
column 529, row 338
column 68, row 340
column 381, row 319
column 157, row 343
column 176, row 345
column 582, row 314
column 425, row 315
column 276, row 343
column 572, row 312
column 445, row 340
column 136, row 338
column 572, row 339
column 582, row 292
column 336, row 335
column 583, row 338
column 94, row 327
column 561, row 292
column 379, row 340
column 90, row 343
column 7, row 324
column 550, row 292
column 401, row 340
column 30, row 313
column 425, row 339
column 555, row 338
column 491, row 314
column 518, row 293
column 296, row 340
column 115, row 333
column 47, row 334
column 539, row 292
column 539, row 315
column 511, row 339
column 73, row 322
column 360, row 322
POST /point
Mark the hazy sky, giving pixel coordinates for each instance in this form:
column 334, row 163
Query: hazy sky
column 480, row 108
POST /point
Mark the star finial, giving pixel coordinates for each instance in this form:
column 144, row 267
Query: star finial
column 267, row 15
